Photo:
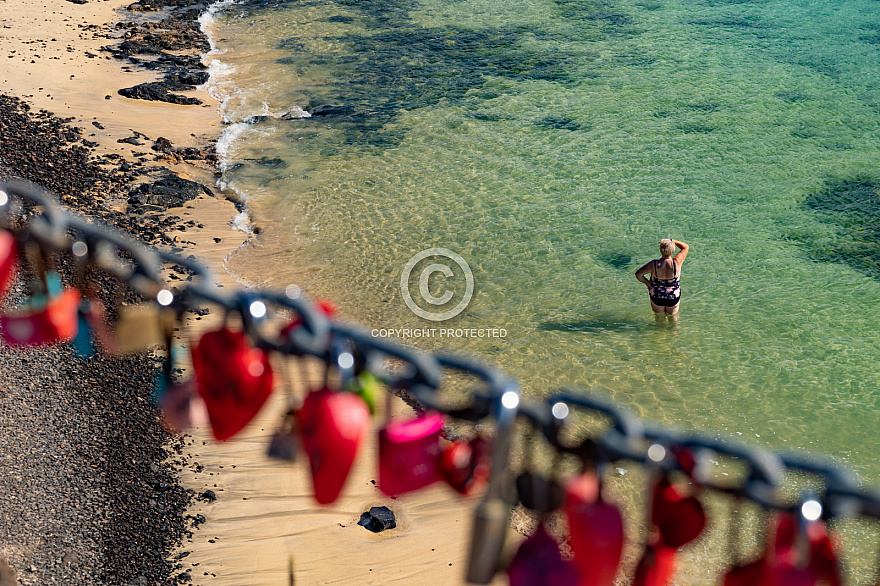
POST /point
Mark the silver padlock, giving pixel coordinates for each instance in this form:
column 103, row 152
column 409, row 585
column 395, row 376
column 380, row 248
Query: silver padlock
column 492, row 515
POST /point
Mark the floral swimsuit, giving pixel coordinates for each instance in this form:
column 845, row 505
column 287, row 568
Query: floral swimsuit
column 665, row 292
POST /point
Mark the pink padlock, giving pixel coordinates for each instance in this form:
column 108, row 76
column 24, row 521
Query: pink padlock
column 409, row 454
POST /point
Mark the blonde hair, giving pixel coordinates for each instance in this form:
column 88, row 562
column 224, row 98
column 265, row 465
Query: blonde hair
column 667, row 247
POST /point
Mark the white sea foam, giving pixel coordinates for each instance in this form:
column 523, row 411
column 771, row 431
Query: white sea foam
column 226, row 143
column 242, row 222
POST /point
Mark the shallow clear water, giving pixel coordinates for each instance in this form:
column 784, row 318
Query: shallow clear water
column 552, row 144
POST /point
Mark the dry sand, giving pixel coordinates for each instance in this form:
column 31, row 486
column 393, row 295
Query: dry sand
column 264, row 515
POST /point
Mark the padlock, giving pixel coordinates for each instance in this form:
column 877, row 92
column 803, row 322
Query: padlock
column 234, row 379
column 49, row 317
column 331, row 425
column 366, row 386
column 492, row 515
column 8, row 260
column 92, row 330
column 182, row 407
column 284, row 444
column 465, row 465
column 657, row 565
column 535, row 491
column 596, row 530
column 140, row 327
column 679, row 517
column 409, row 453
column 539, row 561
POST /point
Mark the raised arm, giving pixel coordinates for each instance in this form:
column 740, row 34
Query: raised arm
column 682, row 253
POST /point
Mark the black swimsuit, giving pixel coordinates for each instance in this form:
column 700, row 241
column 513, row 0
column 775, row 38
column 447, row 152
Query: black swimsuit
column 665, row 292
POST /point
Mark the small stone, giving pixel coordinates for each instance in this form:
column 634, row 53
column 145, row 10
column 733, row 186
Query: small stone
column 378, row 519
column 207, row 496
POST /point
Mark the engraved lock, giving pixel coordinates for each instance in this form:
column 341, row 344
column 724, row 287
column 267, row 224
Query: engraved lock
column 140, row 327
column 492, row 515
column 409, row 452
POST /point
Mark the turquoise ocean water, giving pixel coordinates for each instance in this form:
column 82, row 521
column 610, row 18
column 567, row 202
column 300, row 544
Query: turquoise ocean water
column 552, row 143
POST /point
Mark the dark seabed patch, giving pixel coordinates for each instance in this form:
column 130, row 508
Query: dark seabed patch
column 591, row 325
column 616, row 259
column 792, row 96
column 560, row 123
column 696, row 128
column 852, row 206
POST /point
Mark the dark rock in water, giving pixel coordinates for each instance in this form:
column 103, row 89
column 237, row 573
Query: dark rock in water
column 378, row 519
column 158, row 91
column 256, row 119
column 208, row 496
column 169, row 192
column 274, row 162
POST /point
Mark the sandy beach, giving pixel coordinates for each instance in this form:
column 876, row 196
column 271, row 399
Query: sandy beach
column 264, row 520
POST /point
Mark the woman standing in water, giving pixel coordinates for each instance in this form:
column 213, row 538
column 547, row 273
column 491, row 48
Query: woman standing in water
column 664, row 285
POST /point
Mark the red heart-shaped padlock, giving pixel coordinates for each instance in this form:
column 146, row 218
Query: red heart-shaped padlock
column 8, row 260
column 538, row 561
column 596, row 529
column 465, row 465
column 332, row 425
column 679, row 518
column 325, row 306
column 750, row 574
column 760, row 573
column 234, row 379
column 824, row 564
column 56, row 322
column 656, row 566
